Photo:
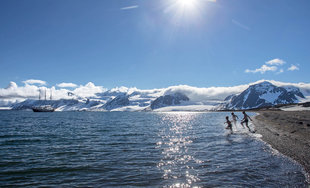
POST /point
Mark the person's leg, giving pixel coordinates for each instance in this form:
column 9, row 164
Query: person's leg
column 242, row 123
column 235, row 122
column 246, row 123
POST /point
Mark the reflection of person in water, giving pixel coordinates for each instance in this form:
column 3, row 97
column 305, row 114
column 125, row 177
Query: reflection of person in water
column 229, row 125
column 234, row 118
column 246, row 120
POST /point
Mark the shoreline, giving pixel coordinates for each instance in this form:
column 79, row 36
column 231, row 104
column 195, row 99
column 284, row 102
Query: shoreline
column 287, row 132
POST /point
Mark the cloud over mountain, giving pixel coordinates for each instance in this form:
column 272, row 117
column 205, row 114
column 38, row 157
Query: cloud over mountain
column 89, row 90
column 13, row 92
column 204, row 94
column 64, row 84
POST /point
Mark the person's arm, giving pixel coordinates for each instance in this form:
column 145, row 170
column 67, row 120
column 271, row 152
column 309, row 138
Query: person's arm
column 249, row 118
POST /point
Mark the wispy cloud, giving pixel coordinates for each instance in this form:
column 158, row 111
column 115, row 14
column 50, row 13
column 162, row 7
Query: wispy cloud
column 130, row 7
column 240, row 25
column 262, row 69
column 66, row 85
column 276, row 62
column 293, row 68
column 32, row 81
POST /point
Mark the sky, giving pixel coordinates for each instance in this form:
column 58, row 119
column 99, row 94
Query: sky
column 154, row 43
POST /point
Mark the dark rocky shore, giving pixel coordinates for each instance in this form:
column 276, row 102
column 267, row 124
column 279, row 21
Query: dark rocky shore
column 287, row 132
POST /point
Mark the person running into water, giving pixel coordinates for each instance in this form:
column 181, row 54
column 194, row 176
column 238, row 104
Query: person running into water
column 234, row 118
column 246, row 120
column 229, row 125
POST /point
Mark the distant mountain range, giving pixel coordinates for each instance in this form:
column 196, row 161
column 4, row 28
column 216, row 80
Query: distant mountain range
column 262, row 94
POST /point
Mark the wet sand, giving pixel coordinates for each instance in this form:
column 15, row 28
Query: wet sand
column 287, row 132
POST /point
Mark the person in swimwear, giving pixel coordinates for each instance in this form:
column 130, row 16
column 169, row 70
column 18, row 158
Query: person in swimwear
column 246, row 120
column 229, row 125
column 234, row 118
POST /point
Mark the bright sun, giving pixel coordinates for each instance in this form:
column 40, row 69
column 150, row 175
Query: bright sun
column 187, row 4
column 185, row 10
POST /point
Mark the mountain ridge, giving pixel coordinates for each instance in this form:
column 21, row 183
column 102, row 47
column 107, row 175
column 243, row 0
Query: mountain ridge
column 256, row 95
column 262, row 95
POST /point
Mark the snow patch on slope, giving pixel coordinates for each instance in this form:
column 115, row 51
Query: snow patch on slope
column 270, row 97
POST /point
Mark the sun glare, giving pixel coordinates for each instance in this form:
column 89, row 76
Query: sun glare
column 187, row 4
column 186, row 11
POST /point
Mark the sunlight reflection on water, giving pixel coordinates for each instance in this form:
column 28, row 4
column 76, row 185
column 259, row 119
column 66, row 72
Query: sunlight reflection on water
column 177, row 162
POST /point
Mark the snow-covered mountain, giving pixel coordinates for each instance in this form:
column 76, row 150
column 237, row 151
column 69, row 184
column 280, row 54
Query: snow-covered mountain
column 119, row 101
column 263, row 94
column 169, row 100
column 61, row 105
column 174, row 98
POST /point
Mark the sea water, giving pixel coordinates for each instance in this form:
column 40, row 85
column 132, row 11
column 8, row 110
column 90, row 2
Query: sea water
column 105, row 149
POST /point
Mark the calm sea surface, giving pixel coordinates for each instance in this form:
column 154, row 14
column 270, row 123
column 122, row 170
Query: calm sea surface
column 98, row 149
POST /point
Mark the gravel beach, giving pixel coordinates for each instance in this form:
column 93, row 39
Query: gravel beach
column 287, row 132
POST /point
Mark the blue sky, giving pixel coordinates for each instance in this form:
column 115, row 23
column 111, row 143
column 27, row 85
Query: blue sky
column 154, row 43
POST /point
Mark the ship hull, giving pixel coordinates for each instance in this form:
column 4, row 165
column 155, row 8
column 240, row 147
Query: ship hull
column 43, row 110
